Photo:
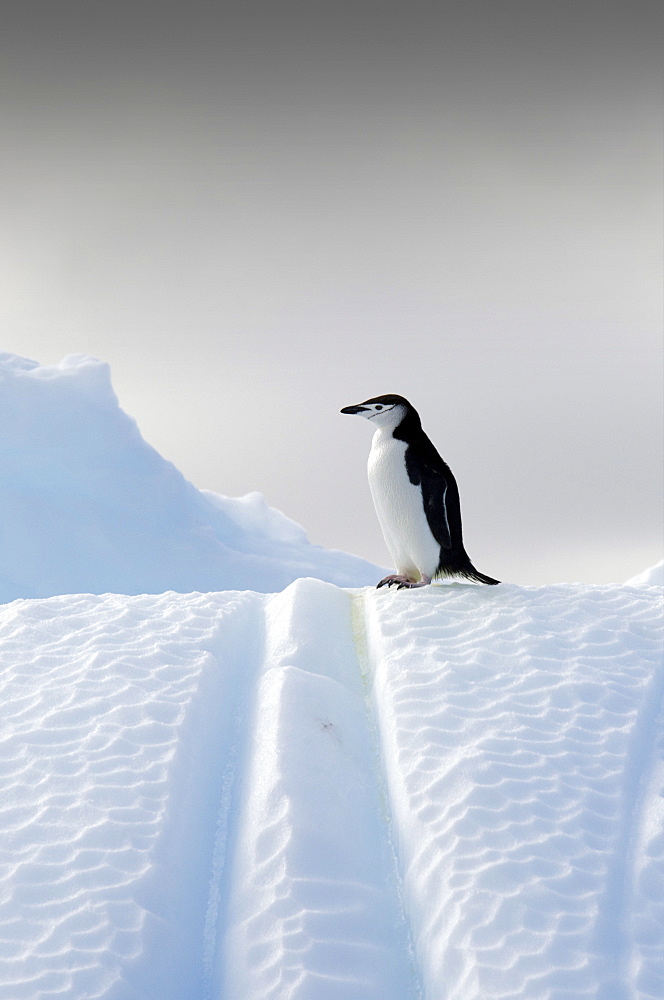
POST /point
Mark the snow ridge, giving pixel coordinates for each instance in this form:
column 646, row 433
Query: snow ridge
column 360, row 634
column 311, row 912
column 229, row 764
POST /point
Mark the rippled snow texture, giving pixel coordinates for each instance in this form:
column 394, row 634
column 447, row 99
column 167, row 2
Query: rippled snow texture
column 452, row 793
column 520, row 733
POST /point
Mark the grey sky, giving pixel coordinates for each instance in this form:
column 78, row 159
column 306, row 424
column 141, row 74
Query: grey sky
column 263, row 212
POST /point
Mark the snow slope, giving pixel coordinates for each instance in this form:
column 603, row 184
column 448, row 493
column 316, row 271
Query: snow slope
column 652, row 577
column 89, row 507
column 450, row 794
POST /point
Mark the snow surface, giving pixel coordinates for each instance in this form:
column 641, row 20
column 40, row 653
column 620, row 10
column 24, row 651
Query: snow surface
column 89, row 507
column 314, row 794
column 452, row 794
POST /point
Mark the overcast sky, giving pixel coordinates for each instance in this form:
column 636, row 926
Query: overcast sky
column 258, row 213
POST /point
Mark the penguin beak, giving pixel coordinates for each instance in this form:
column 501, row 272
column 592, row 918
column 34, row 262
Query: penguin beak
column 354, row 409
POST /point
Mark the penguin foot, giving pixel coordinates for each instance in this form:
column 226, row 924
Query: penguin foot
column 403, row 582
column 389, row 581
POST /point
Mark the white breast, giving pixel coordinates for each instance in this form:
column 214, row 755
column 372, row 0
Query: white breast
column 399, row 508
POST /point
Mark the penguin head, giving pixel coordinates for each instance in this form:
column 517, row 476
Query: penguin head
column 382, row 411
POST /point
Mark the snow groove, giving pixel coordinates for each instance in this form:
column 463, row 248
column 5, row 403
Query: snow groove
column 640, row 786
column 367, row 664
column 642, row 912
column 219, row 857
column 232, row 766
column 194, row 849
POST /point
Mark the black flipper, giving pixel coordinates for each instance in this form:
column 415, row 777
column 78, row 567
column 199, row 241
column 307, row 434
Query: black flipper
column 433, row 483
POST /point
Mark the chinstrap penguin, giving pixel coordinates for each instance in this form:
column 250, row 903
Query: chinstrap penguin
column 415, row 495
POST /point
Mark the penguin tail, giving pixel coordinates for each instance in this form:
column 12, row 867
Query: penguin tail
column 474, row 574
column 468, row 572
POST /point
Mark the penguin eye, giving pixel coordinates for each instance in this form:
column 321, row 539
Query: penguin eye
column 379, row 406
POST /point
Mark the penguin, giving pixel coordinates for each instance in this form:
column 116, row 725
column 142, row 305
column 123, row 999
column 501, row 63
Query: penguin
column 416, row 497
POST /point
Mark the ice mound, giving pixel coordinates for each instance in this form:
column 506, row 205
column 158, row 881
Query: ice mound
column 89, row 507
column 343, row 795
column 653, row 577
